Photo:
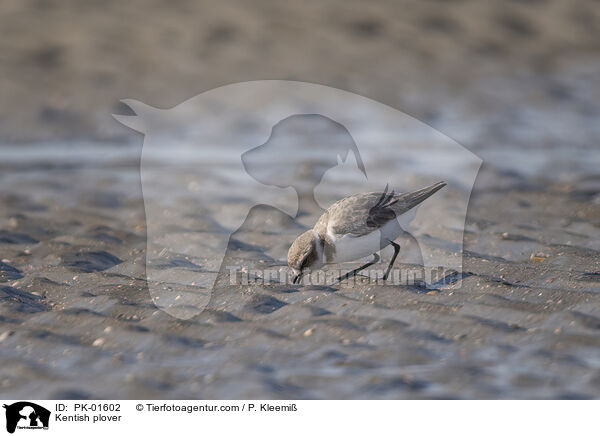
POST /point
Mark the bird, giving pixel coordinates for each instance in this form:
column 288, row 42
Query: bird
column 356, row 227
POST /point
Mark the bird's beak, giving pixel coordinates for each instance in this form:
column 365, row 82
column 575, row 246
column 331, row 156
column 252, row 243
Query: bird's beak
column 297, row 278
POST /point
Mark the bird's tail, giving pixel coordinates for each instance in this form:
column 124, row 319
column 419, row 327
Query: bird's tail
column 411, row 199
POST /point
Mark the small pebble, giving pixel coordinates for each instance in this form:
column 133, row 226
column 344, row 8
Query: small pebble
column 308, row 332
column 538, row 257
column 5, row 335
column 209, row 378
column 98, row 342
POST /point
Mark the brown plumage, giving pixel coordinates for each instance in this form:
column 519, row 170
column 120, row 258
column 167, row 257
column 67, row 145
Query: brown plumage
column 349, row 225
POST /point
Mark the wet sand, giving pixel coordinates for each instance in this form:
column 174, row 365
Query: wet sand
column 514, row 83
column 78, row 320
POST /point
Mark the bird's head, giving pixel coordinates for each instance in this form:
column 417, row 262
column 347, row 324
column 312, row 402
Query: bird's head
column 303, row 255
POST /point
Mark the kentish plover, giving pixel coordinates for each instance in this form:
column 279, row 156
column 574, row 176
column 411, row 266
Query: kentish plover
column 355, row 227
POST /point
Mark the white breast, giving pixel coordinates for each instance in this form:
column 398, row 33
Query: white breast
column 349, row 248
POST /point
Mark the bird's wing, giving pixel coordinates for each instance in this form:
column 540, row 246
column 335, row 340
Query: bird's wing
column 360, row 214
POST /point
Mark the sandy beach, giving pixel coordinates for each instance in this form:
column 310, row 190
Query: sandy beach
column 515, row 83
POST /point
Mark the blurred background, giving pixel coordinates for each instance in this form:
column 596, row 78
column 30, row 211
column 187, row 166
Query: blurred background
column 480, row 73
column 516, row 82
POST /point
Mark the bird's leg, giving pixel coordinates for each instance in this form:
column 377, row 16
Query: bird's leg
column 353, row 272
column 396, row 252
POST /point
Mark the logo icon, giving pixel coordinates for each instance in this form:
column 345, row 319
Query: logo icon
column 26, row 415
column 231, row 176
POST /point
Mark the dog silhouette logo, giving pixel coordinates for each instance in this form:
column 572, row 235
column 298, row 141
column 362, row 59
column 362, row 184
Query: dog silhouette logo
column 301, row 141
column 26, row 415
column 218, row 166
